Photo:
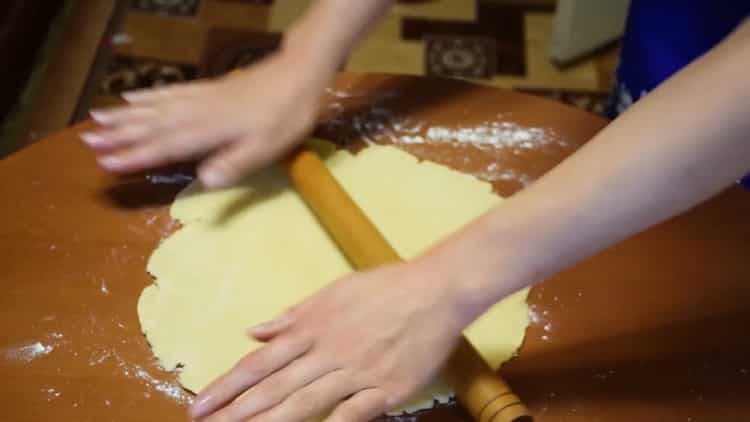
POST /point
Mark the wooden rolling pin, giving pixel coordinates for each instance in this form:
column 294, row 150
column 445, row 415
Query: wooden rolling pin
column 478, row 388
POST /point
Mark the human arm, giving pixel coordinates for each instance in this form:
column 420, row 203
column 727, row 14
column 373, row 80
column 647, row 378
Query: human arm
column 241, row 121
column 678, row 146
column 349, row 348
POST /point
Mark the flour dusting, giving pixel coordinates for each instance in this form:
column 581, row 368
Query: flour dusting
column 170, row 389
column 493, row 173
column 378, row 123
column 51, row 393
column 499, row 134
column 377, row 118
column 27, row 352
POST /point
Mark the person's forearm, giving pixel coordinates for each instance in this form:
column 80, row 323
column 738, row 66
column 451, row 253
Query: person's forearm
column 678, row 146
column 325, row 35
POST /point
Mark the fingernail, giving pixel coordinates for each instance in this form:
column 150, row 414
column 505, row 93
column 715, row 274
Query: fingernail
column 270, row 325
column 91, row 138
column 212, row 178
column 99, row 116
column 266, row 326
column 198, row 408
column 130, row 96
column 110, row 162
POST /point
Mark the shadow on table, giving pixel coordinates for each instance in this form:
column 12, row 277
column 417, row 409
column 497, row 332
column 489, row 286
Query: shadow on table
column 152, row 189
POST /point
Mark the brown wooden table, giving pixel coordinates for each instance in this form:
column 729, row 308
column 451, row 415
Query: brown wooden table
column 654, row 329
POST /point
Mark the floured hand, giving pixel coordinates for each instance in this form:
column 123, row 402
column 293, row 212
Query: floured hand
column 238, row 123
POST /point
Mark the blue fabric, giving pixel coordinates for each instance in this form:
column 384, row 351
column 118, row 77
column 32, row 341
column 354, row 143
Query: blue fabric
column 663, row 36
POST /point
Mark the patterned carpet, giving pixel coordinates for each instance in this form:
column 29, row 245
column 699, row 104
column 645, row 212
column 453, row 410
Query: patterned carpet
column 501, row 43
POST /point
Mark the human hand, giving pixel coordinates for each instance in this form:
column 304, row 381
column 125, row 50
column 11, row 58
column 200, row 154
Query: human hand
column 357, row 349
column 239, row 122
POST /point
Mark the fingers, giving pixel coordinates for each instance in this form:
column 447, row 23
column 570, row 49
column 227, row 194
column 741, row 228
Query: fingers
column 362, row 407
column 247, row 372
column 122, row 127
column 180, row 122
column 273, row 390
column 140, row 96
column 146, row 95
column 268, row 330
column 118, row 137
column 122, row 115
column 242, row 157
column 313, row 400
column 181, row 145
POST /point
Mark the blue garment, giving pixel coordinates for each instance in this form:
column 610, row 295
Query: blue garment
column 663, row 36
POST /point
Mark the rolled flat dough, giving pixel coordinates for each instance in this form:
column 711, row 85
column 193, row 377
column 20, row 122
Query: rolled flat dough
column 247, row 253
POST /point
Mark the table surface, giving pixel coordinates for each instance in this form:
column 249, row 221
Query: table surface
column 653, row 329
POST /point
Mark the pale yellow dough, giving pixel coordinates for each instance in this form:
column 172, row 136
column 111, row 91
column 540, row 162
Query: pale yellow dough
column 247, row 253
